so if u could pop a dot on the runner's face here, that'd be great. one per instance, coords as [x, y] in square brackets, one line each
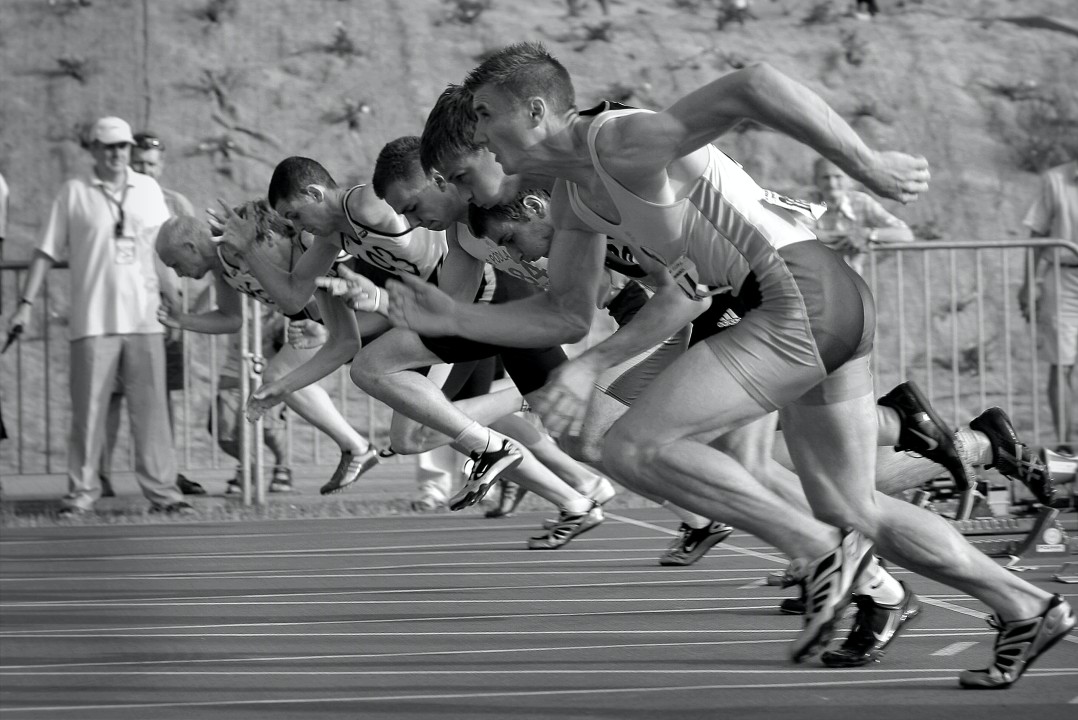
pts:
[480, 179]
[307, 214]
[423, 203]
[186, 261]
[502, 125]
[528, 240]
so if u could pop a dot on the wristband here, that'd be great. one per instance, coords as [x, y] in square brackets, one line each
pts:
[27, 300]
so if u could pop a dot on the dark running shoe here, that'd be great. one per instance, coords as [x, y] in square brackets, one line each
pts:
[874, 627]
[510, 498]
[828, 583]
[924, 432]
[691, 544]
[349, 469]
[189, 487]
[1011, 457]
[569, 526]
[177, 508]
[793, 606]
[1020, 643]
[486, 467]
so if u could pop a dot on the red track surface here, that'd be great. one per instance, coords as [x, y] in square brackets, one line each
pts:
[449, 616]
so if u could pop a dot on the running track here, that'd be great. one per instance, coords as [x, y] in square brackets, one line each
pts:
[448, 616]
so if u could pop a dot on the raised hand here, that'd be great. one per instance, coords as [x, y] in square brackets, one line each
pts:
[306, 334]
[358, 291]
[897, 176]
[420, 306]
[236, 232]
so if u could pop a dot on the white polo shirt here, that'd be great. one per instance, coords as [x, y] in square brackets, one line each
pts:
[109, 294]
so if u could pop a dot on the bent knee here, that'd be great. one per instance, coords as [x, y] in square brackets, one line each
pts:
[628, 451]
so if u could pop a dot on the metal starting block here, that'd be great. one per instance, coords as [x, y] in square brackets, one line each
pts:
[1040, 537]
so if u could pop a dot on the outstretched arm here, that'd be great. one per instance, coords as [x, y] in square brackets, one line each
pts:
[765, 95]
[226, 319]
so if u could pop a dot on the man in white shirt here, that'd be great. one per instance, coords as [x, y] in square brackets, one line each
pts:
[106, 224]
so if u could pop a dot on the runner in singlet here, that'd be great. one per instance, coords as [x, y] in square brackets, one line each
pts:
[186, 245]
[653, 178]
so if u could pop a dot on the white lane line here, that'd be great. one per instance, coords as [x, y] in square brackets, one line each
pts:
[456, 672]
[255, 602]
[665, 688]
[954, 649]
[427, 653]
[762, 582]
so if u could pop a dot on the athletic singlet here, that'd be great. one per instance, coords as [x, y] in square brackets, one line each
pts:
[416, 251]
[533, 273]
[239, 277]
[724, 228]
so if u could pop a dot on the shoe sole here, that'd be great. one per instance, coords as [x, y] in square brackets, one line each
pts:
[332, 487]
[701, 550]
[473, 495]
[836, 660]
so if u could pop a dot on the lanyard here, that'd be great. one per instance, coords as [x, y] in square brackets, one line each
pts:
[118, 228]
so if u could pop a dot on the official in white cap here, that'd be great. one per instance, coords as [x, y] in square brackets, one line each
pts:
[106, 224]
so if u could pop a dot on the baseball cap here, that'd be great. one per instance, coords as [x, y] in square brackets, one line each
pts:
[111, 130]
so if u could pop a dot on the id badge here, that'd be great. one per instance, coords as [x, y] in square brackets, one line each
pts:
[126, 253]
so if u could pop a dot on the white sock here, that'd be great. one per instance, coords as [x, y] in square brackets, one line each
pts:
[578, 506]
[691, 519]
[473, 439]
[879, 585]
[973, 446]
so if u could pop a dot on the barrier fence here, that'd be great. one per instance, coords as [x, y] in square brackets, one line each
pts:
[947, 317]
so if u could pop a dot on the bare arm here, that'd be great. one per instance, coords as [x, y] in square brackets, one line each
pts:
[292, 290]
[342, 345]
[460, 274]
[763, 94]
[226, 319]
[35, 277]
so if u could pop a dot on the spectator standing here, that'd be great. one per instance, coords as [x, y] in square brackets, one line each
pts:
[1054, 214]
[106, 224]
[148, 158]
[853, 218]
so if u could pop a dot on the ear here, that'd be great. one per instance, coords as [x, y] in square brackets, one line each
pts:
[439, 180]
[535, 205]
[537, 109]
[316, 191]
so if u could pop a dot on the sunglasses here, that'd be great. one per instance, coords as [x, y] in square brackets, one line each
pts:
[149, 143]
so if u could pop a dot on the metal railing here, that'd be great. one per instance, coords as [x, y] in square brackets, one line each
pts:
[955, 331]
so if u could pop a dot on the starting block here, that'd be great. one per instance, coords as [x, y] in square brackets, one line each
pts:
[1041, 537]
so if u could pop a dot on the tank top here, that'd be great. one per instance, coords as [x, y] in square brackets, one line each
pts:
[416, 251]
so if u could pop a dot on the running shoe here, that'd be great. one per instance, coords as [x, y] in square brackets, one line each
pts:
[1019, 644]
[188, 486]
[486, 467]
[177, 508]
[349, 469]
[828, 583]
[281, 482]
[1011, 457]
[510, 498]
[569, 526]
[427, 502]
[874, 627]
[234, 487]
[691, 544]
[601, 493]
[924, 432]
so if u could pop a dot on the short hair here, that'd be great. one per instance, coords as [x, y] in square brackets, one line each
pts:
[450, 127]
[179, 229]
[397, 162]
[146, 140]
[525, 70]
[292, 176]
[480, 219]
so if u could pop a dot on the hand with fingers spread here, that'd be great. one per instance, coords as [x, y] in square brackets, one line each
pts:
[897, 176]
[358, 291]
[263, 399]
[238, 233]
[563, 402]
[420, 306]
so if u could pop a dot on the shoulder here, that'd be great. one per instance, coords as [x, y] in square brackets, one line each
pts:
[561, 210]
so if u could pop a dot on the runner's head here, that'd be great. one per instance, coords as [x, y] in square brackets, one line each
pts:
[424, 199]
[447, 146]
[185, 245]
[516, 93]
[299, 192]
[523, 225]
